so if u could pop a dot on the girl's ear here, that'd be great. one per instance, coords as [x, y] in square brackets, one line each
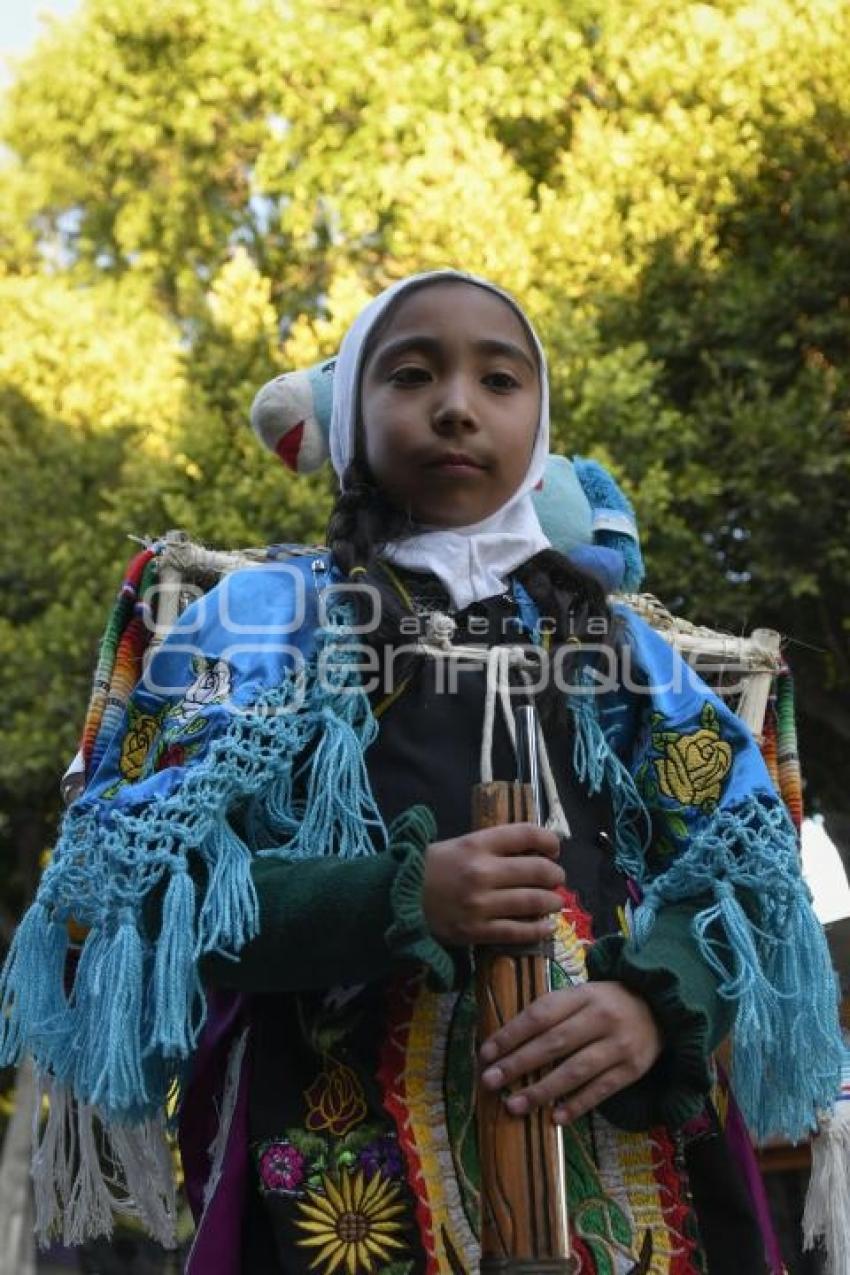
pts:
[291, 416]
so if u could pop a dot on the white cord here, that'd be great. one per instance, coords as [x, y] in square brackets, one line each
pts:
[499, 661]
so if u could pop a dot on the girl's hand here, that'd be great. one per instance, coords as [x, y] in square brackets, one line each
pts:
[590, 1041]
[496, 885]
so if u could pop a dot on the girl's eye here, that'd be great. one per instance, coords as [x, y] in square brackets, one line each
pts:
[501, 381]
[409, 376]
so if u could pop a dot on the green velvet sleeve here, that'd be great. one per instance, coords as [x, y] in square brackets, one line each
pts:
[681, 990]
[326, 921]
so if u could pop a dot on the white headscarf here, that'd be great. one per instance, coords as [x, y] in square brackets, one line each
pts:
[471, 562]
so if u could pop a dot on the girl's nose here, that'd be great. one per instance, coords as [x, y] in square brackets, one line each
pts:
[454, 406]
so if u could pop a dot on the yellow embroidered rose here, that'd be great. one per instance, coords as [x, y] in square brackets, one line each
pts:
[136, 745]
[693, 767]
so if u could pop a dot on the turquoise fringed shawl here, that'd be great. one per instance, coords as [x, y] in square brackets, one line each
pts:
[719, 831]
[245, 697]
[247, 736]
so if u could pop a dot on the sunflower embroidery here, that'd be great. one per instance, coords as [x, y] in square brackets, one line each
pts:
[352, 1225]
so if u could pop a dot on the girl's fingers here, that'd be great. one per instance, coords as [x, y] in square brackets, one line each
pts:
[578, 1074]
[526, 870]
[573, 1045]
[514, 904]
[519, 932]
[573, 1036]
[544, 1013]
[590, 1095]
[520, 838]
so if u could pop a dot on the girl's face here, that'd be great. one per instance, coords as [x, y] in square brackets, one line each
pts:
[450, 403]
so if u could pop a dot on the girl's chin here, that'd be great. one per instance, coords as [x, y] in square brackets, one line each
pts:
[447, 519]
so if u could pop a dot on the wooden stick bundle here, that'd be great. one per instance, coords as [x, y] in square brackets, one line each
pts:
[523, 1188]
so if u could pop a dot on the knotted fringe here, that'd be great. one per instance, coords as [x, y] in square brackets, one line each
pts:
[85, 1173]
[230, 913]
[115, 1045]
[103, 1051]
[178, 996]
[590, 747]
[98, 1039]
[786, 1049]
[826, 1216]
[34, 974]
[595, 764]
[333, 811]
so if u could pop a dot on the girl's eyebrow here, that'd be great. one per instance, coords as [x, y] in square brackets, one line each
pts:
[433, 346]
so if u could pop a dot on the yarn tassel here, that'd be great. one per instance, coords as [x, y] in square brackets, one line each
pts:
[746, 983]
[339, 808]
[808, 1056]
[230, 914]
[785, 990]
[141, 1155]
[178, 995]
[631, 821]
[786, 1049]
[590, 748]
[32, 998]
[108, 1004]
[88, 1209]
[595, 763]
[273, 816]
[54, 1155]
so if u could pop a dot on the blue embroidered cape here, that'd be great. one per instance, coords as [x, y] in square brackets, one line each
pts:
[246, 736]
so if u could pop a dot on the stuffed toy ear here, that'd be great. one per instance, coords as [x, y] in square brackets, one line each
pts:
[562, 507]
[587, 518]
[614, 523]
[291, 416]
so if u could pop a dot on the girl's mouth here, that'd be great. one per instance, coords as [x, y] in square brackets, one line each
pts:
[455, 463]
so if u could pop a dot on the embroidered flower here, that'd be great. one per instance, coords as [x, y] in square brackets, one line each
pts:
[281, 1167]
[335, 1101]
[137, 743]
[211, 686]
[692, 768]
[381, 1156]
[354, 1226]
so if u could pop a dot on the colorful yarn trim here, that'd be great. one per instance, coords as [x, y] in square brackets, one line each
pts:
[119, 660]
[788, 757]
[779, 745]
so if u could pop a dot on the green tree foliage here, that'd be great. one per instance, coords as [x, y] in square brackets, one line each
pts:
[218, 185]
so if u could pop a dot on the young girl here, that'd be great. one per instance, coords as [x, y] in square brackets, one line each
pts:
[282, 895]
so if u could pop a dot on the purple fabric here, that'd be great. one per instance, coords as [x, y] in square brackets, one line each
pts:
[740, 1144]
[216, 1249]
